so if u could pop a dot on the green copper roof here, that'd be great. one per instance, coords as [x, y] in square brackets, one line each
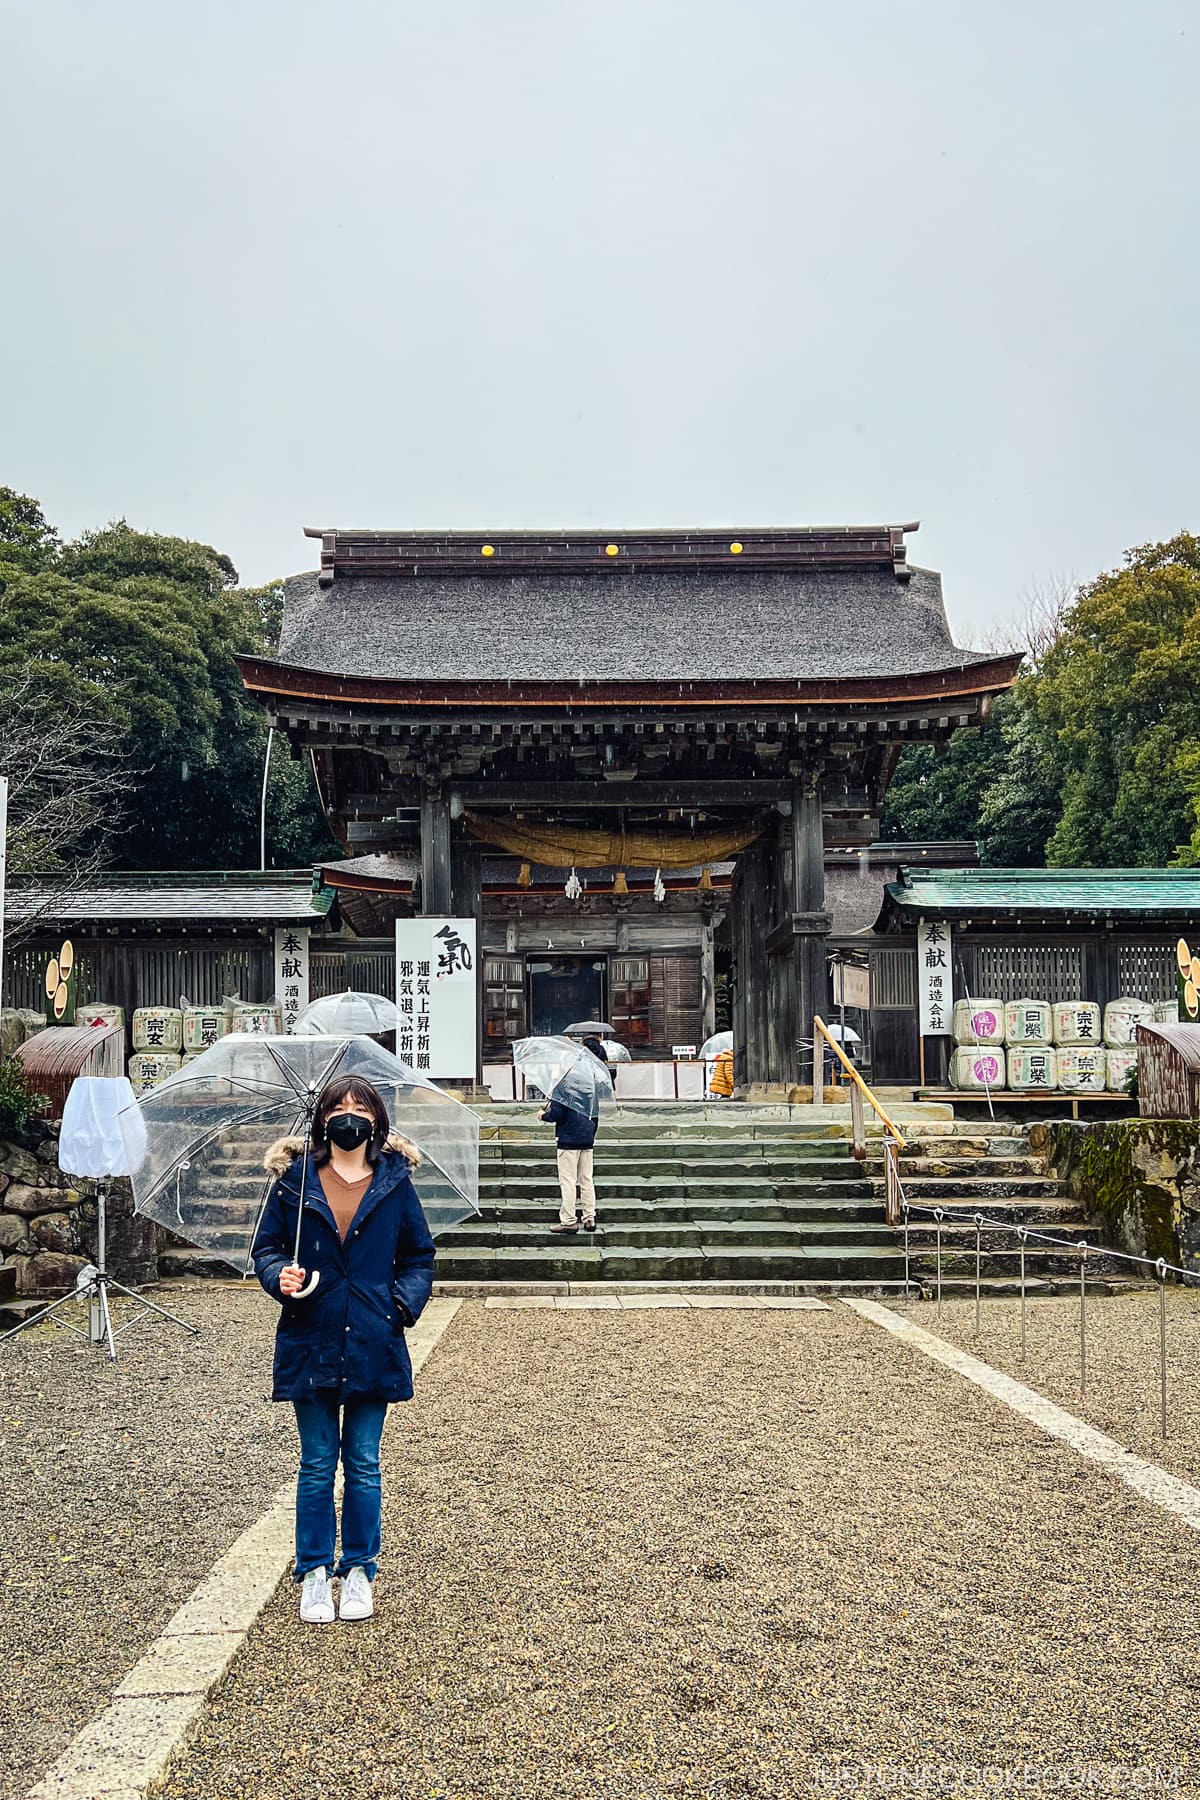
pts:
[1169, 893]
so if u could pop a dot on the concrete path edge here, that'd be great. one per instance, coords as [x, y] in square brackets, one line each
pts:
[125, 1751]
[1145, 1478]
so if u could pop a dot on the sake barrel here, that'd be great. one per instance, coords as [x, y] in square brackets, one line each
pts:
[1027, 1022]
[1032, 1068]
[148, 1067]
[100, 1013]
[202, 1026]
[1077, 1022]
[259, 1019]
[158, 1028]
[1121, 1020]
[978, 1022]
[1117, 1064]
[973, 1071]
[1082, 1068]
[1166, 1012]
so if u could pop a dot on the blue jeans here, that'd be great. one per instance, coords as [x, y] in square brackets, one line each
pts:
[322, 1436]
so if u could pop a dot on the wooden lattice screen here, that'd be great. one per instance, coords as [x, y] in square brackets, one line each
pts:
[1029, 971]
[1146, 971]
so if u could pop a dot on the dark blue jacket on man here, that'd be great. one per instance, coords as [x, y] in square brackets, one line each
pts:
[573, 1130]
[347, 1336]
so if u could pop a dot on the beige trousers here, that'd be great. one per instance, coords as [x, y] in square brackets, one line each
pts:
[575, 1166]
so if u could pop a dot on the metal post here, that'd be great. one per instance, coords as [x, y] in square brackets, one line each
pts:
[937, 1213]
[1083, 1251]
[1161, 1268]
[907, 1284]
[1021, 1232]
[978, 1255]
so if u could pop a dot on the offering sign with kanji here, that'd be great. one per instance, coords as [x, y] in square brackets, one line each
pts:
[437, 997]
[935, 977]
[291, 971]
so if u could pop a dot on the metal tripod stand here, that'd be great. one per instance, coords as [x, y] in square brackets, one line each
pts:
[91, 1287]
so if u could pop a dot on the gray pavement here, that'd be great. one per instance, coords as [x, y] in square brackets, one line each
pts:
[669, 1552]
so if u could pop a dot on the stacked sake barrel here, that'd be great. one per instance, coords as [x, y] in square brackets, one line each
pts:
[1121, 1020]
[1032, 1046]
[157, 1046]
[203, 1026]
[257, 1018]
[978, 1061]
[1032, 1062]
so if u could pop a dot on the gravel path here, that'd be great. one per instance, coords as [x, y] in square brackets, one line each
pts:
[122, 1484]
[1122, 1362]
[717, 1554]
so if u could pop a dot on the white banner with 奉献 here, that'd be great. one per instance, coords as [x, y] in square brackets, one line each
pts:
[935, 981]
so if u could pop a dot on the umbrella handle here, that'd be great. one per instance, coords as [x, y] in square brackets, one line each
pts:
[310, 1284]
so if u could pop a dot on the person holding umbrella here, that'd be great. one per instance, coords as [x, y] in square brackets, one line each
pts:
[340, 1354]
[575, 1116]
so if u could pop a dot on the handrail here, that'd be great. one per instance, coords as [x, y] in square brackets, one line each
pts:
[854, 1075]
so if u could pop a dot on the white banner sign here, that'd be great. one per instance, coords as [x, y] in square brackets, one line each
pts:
[291, 971]
[935, 977]
[437, 997]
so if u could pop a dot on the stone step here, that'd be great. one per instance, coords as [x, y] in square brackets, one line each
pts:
[576, 1263]
[679, 1152]
[850, 1288]
[15, 1312]
[954, 1191]
[959, 1169]
[203, 1263]
[711, 1237]
[845, 1183]
[686, 1213]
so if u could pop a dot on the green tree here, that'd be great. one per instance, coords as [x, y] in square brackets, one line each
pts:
[26, 540]
[140, 631]
[1119, 699]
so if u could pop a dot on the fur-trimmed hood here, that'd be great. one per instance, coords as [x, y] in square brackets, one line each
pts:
[285, 1150]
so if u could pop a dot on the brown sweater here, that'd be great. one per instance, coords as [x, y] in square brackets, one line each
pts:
[343, 1196]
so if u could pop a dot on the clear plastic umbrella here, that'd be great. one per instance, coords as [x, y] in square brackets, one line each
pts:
[207, 1128]
[346, 1015]
[713, 1046]
[565, 1071]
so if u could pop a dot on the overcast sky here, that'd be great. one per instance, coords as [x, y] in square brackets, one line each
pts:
[636, 262]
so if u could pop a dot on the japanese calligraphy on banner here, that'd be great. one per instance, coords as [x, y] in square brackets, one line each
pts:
[935, 982]
[436, 997]
[291, 971]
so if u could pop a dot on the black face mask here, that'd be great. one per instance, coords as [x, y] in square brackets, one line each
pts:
[347, 1130]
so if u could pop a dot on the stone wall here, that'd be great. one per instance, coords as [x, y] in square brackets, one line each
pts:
[48, 1220]
[1138, 1180]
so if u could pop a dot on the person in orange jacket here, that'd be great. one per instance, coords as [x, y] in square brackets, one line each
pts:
[721, 1085]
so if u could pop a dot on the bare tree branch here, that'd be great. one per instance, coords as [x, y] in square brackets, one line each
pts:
[67, 781]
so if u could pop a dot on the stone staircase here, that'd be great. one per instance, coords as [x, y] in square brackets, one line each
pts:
[756, 1195]
[970, 1167]
[765, 1195]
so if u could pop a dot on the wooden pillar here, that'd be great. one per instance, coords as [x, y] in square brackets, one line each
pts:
[708, 981]
[435, 853]
[466, 902]
[811, 923]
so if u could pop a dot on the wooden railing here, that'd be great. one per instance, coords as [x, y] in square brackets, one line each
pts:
[893, 1137]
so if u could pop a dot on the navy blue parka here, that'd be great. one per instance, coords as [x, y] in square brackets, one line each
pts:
[346, 1339]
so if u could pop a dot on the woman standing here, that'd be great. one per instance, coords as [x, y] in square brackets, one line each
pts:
[340, 1354]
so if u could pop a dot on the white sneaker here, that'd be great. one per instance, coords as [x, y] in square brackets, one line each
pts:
[357, 1601]
[316, 1598]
